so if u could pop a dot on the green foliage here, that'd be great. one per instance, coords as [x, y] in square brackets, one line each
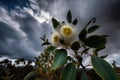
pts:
[43, 63]
[31, 74]
[75, 46]
[75, 21]
[103, 56]
[93, 20]
[46, 43]
[69, 72]
[50, 49]
[84, 76]
[82, 35]
[56, 59]
[45, 40]
[95, 41]
[45, 59]
[8, 75]
[103, 69]
[59, 59]
[69, 16]
[93, 28]
[99, 49]
[55, 23]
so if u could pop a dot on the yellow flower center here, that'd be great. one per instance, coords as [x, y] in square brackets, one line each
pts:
[67, 30]
[56, 39]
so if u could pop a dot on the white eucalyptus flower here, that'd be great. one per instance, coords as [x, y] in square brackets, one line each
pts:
[68, 33]
[55, 39]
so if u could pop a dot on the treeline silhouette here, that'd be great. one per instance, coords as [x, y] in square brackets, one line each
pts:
[15, 71]
[9, 71]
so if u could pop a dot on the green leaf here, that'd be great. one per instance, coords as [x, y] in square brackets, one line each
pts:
[75, 46]
[103, 68]
[103, 56]
[43, 38]
[100, 48]
[62, 41]
[82, 35]
[55, 23]
[69, 72]
[104, 35]
[59, 59]
[74, 22]
[95, 41]
[50, 49]
[93, 28]
[84, 76]
[30, 75]
[69, 16]
[45, 43]
[93, 20]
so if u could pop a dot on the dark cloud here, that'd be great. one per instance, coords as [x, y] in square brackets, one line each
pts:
[11, 43]
[7, 31]
[114, 11]
[20, 35]
[24, 40]
[12, 4]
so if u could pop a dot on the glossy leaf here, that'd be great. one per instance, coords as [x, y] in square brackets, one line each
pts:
[30, 75]
[103, 56]
[82, 35]
[75, 46]
[59, 59]
[69, 72]
[103, 68]
[45, 43]
[84, 76]
[69, 16]
[95, 41]
[74, 22]
[55, 23]
[100, 48]
[93, 20]
[93, 28]
[50, 49]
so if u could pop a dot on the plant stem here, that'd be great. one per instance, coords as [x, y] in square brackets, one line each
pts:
[83, 67]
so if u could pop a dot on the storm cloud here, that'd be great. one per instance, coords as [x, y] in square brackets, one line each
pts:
[20, 32]
[20, 35]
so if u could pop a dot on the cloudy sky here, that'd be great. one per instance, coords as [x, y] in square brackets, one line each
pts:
[23, 22]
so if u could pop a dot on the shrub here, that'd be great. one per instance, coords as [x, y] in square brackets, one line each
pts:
[57, 59]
